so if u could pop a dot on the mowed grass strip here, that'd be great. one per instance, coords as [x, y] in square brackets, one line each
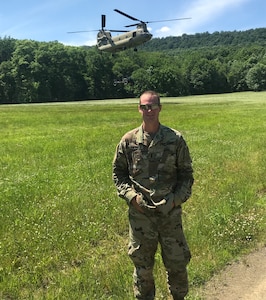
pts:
[63, 228]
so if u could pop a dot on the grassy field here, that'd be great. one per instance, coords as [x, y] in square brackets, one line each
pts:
[63, 231]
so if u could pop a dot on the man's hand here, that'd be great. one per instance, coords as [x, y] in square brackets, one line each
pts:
[168, 204]
[137, 202]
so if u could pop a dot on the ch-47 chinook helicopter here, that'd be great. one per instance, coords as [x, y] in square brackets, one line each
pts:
[128, 38]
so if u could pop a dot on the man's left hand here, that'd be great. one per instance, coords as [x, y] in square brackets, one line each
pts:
[168, 205]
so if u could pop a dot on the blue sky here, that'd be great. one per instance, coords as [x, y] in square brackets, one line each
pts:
[50, 20]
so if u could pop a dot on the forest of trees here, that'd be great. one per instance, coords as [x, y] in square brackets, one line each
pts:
[32, 71]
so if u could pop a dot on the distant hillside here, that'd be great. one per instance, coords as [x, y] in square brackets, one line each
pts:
[203, 63]
[206, 39]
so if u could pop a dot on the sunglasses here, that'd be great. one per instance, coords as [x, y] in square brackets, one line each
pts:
[149, 106]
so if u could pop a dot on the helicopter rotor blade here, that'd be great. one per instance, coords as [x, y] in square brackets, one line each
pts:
[103, 21]
[126, 15]
[79, 31]
[132, 25]
[158, 21]
[113, 30]
[167, 20]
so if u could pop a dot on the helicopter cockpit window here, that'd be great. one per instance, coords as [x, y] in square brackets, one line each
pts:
[102, 41]
[103, 38]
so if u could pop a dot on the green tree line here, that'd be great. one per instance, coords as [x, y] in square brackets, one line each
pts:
[206, 39]
[32, 71]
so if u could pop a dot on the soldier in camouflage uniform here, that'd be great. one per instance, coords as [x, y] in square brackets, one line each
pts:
[152, 171]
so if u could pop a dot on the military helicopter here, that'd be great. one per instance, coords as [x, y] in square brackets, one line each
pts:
[128, 38]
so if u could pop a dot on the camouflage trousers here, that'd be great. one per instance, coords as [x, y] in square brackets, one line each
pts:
[145, 233]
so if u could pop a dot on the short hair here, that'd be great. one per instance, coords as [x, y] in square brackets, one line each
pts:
[153, 93]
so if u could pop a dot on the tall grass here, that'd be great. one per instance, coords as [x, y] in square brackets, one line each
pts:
[63, 228]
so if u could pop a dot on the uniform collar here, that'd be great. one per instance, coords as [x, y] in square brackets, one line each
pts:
[158, 136]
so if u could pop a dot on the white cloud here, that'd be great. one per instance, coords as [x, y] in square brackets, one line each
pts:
[80, 42]
[163, 29]
[202, 12]
[90, 42]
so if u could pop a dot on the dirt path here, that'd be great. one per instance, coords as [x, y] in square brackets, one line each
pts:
[245, 280]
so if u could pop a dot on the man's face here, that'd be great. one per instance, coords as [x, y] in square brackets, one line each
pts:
[149, 107]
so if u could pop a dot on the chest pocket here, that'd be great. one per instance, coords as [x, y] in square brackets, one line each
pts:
[167, 166]
[151, 160]
[139, 161]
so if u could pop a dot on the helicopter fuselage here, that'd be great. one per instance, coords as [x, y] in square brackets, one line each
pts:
[129, 39]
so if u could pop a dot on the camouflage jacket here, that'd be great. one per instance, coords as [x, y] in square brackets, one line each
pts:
[155, 169]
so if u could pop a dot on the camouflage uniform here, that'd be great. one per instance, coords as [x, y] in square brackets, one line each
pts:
[159, 169]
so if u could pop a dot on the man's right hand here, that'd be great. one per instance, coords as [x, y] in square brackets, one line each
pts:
[136, 202]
